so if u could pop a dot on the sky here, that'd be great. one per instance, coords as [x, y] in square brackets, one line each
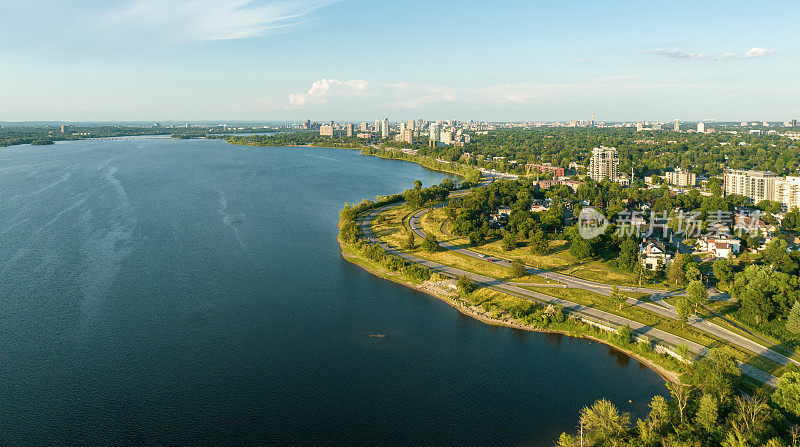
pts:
[359, 60]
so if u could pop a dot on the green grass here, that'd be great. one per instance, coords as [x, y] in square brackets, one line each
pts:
[597, 301]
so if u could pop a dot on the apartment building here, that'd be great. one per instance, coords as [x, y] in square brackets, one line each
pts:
[604, 164]
[763, 185]
[679, 177]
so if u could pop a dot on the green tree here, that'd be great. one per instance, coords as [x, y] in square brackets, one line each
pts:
[793, 322]
[787, 395]
[518, 269]
[430, 243]
[677, 270]
[683, 309]
[628, 254]
[707, 413]
[411, 241]
[723, 270]
[697, 292]
[604, 421]
[539, 244]
[580, 248]
[625, 333]
[508, 243]
[618, 296]
[464, 285]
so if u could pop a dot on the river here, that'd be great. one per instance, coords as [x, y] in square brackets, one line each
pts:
[184, 292]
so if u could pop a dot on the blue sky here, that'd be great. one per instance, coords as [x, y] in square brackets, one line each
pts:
[358, 60]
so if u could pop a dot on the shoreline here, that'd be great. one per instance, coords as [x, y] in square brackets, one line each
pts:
[667, 375]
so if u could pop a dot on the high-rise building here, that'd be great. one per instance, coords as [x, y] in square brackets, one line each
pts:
[385, 128]
[763, 185]
[677, 126]
[349, 127]
[604, 164]
[794, 123]
[411, 125]
[639, 126]
[307, 125]
[679, 177]
[326, 130]
[787, 192]
[407, 135]
[364, 127]
[402, 129]
[446, 137]
[757, 185]
[701, 127]
[434, 129]
[377, 127]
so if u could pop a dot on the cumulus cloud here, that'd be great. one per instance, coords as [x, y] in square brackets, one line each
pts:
[678, 55]
[203, 20]
[363, 94]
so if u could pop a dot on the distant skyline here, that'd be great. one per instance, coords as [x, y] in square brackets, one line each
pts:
[355, 60]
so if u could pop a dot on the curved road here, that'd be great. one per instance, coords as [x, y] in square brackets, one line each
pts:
[605, 289]
[588, 312]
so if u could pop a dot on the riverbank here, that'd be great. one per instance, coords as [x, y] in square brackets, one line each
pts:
[468, 173]
[352, 254]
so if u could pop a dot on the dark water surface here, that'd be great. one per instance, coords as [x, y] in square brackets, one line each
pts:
[160, 292]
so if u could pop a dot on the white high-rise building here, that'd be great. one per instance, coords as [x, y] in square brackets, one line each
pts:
[385, 128]
[677, 126]
[377, 127]
[787, 192]
[434, 128]
[604, 164]
[701, 127]
[757, 185]
[763, 185]
[639, 126]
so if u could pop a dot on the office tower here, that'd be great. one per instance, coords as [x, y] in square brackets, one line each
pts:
[677, 126]
[639, 126]
[701, 127]
[385, 128]
[603, 164]
[794, 123]
[364, 127]
[307, 125]
[411, 125]
[326, 130]
[349, 127]
[377, 127]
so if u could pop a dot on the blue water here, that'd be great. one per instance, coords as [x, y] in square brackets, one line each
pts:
[184, 292]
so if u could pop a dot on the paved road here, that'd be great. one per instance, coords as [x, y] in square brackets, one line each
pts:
[578, 309]
[658, 295]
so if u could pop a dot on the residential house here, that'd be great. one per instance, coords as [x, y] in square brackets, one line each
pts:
[653, 254]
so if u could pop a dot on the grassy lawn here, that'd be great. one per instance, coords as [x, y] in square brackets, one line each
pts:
[392, 230]
[559, 260]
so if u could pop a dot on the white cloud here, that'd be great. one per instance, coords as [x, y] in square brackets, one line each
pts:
[678, 55]
[203, 20]
[361, 94]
